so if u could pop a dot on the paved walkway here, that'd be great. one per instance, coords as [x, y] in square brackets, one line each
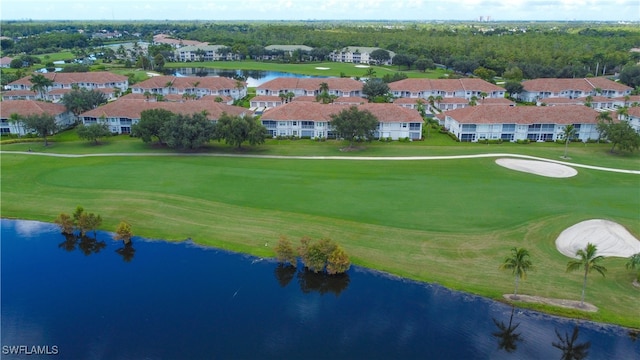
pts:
[356, 158]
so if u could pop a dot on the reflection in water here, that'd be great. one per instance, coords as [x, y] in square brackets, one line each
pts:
[322, 282]
[69, 243]
[570, 349]
[90, 245]
[285, 273]
[86, 244]
[310, 281]
[127, 251]
[507, 336]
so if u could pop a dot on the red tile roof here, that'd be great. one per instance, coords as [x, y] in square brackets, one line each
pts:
[559, 85]
[94, 77]
[310, 111]
[312, 84]
[131, 108]
[206, 82]
[524, 115]
[30, 107]
[448, 85]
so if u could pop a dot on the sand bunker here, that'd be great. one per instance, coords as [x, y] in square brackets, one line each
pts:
[542, 168]
[362, 66]
[610, 238]
[322, 68]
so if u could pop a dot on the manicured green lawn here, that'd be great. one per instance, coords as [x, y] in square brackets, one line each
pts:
[445, 221]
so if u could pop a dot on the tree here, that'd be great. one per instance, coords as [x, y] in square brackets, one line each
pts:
[634, 263]
[79, 100]
[484, 73]
[587, 260]
[568, 133]
[235, 130]
[40, 84]
[519, 264]
[338, 261]
[123, 232]
[374, 88]
[423, 64]
[188, 132]
[630, 75]
[151, 124]
[513, 87]
[159, 62]
[353, 124]
[620, 134]
[88, 222]
[285, 252]
[380, 56]
[513, 74]
[16, 120]
[65, 222]
[42, 124]
[93, 132]
[370, 73]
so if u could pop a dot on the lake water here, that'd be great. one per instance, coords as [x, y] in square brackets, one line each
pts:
[99, 299]
[253, 78]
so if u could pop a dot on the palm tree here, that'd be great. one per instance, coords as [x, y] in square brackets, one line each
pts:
[16, 120]
[623, 112]
[568, 132]
[519, 263]
[604, 116]
[324, 87]
[588, 260]
[634, 263]
[40, 84]
[370, 73]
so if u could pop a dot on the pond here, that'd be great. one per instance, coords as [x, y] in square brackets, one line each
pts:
[254, 78]
[95, 298]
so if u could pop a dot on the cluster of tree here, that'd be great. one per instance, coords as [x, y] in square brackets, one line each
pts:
[310, 281]
[80, 100]
[24, 61]
[618, 133]
[320, 256]
[188, 132]
[587, 259]
[80, 221]
[44, 43]
[84, 222]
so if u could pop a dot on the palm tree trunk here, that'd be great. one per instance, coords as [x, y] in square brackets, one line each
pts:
[566, 145]
[515, 292]
[584, 286]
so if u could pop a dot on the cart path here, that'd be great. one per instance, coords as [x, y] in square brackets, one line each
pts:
[354, 158]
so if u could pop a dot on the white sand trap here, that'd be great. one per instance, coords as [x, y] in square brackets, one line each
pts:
[609, 237]
[542, 168]
[363, 66]
[322, 68]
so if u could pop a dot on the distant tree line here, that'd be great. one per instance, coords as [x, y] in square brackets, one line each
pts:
[539, 50]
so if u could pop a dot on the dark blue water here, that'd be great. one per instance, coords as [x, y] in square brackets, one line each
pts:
[253, 78]
[99, 299]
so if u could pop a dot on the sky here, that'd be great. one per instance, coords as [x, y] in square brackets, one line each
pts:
[498, 10]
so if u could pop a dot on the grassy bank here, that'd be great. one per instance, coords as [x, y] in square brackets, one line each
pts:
[445, 221]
